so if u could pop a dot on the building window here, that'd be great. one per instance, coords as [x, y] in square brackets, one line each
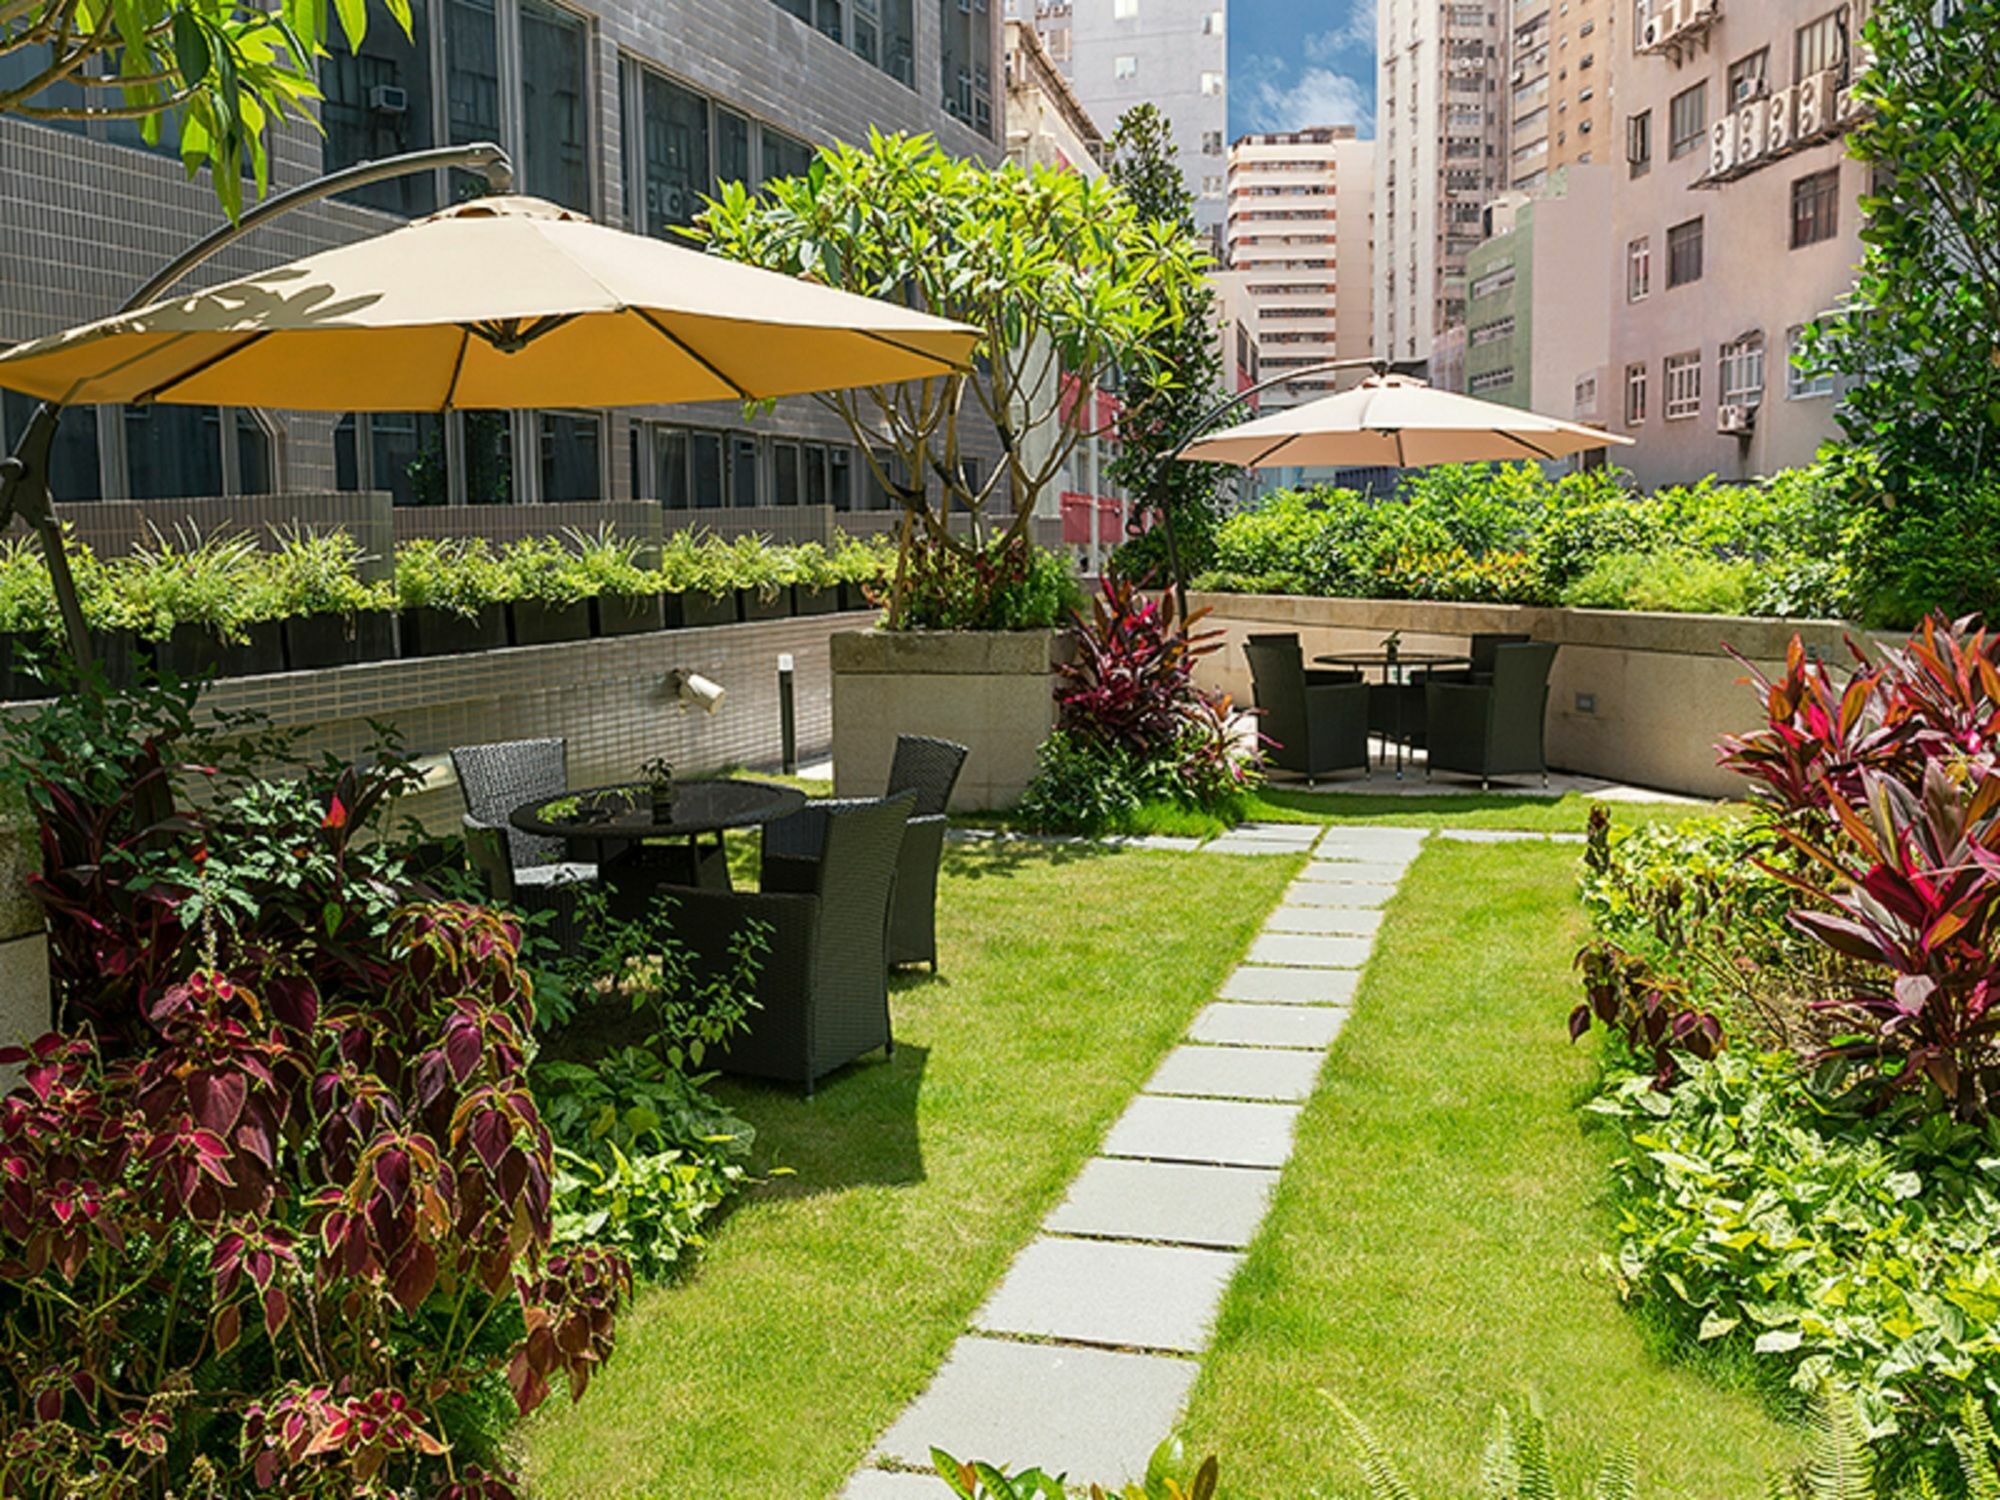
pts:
[73, 465]
[1211, 84]
[1684, 250]
[377, 103]
[1211, 143]
[670, 468]
[1802, 381]
[1584, 401]
[1639, 143]
[733, 161]
[784, 156]
[173, 451]
[401, 453]
[1492, 333]
[673, 158]
[1818, 46]
[570, 445]
[1683, 381]
[555, 105]
[471, 71]
[1635, 395]
[1639, 269]
[1750, 77]
[705, 470]
[1815, 208]
[1212, 24]
[1488, 381]
[1741, 368]
[966, 62]
[1124, 65]
[883, 32]
[1687, 118]
[1124, 10]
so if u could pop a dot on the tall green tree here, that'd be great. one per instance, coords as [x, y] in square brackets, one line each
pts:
[1167, 394]
[1060, 273]
[1920, 339]
[220, 74]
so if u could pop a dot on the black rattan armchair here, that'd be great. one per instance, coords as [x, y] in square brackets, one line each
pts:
[1314, 728]
[520, 869]
[823, 984]
[1494, 728]
[927, 767]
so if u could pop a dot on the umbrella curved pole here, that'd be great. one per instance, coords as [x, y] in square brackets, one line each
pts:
[24, 473]
[1205, 424]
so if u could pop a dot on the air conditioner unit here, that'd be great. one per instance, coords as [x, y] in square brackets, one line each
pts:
[387, 99]
[1736, 420]
[1722, 148]
[1749, 134]
[1655, 33]
[1780, 128]
[1848, 106]
[1819, 99]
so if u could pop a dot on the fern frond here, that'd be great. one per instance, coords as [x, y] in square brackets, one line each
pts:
[1839, 1465]
[1500, 1464]
[1538, 1470]
[1619, 1478]
[1778, 1486]
[1384, 1483]
[1973, 1442]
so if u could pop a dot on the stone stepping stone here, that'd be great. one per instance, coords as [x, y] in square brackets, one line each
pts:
[1307, 951]
[1373, 843]
[1329, 921]
[1312, 1027]
[1229, 843]
[1276, 1075]
[1167, 1202]
[1356, 895]
[1172, 843]
[1294, 835]
[1222, 1133]
[1265, 986]
[883, 1484]
[1124, 1296]
[1090, 1413]
[1348, 871]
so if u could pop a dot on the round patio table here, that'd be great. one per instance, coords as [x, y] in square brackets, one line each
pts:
[1393, 665]
[624, 815]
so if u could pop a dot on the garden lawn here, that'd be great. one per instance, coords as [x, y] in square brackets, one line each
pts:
[1565, 814]
[830, 1297]
[1435, 1243]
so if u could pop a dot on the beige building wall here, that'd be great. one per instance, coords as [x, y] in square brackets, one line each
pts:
[1046, 125]
[1440, 141]
[1571, 300]
[1757, 190]
[1299, 209]
[1559, 77]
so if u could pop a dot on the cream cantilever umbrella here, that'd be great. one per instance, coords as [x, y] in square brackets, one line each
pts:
[1395, 422]
[499, 302]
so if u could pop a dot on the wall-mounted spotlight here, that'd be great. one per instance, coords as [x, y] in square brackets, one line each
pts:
[694, 690]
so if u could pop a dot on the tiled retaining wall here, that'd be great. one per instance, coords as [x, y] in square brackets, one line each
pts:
[1638, 698]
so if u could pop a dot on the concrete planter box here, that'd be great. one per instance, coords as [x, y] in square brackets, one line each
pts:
[24, 951]
[990, 691]
[1639, 698]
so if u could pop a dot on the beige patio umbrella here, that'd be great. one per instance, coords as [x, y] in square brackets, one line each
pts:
[500, 302]
[1395, 422]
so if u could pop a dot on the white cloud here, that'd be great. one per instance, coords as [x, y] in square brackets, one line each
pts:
[1355, 35]
[1318, 96]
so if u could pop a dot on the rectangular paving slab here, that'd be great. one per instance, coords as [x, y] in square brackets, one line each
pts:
[1346, 871]
[1221, 1132]
[1297, 951]
[1277, 1075]
[1359, 895]
[1305, 1026]
[1169, 1202]
[1372, 843]
[1264, 986]
[1331, 921]
[1229, 844]
[1125, 1296]
[884, 1484]
[1090, 1413]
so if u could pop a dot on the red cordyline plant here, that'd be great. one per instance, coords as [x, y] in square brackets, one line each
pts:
[1888, 787]
[290, 1242]
[1132, 683]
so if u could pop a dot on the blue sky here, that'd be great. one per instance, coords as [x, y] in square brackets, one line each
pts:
[1301, 62]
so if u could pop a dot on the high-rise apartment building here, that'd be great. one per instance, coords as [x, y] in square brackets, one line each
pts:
[1170, 53]
[1559, 72]
[1440, 138]
[629, 110]
[1735, 222]
[1298, 231]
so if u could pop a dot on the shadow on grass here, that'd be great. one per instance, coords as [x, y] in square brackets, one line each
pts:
[858, 1130]
[1002, 858]
[1445, 807]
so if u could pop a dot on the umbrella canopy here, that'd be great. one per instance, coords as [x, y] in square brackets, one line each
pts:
[1395, 422]
[499, 302]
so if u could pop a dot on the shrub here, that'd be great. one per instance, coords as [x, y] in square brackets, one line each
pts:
[543, 570]
[218, 583]
[1676, 581]
[456, 574]
[27, 600]
[609, 563]
[319, 573]
[1010, 585]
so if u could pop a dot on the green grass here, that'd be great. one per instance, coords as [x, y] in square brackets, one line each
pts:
[827, 1300]
[1434, 1245]
[1532, 814]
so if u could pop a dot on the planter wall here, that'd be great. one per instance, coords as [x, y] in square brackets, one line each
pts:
[530, 623]
[24, 951]
[443, 632]
[1639, 698]
[196, 651]
[314, 642]
[753, 604]
[629, 614]
[990, 691]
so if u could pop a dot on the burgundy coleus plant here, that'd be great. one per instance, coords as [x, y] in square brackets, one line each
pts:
[299, 1224]
[1649, 1012]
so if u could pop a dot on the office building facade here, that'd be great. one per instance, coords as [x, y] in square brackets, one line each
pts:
[625, 111]
[1300, 202]
[1559, 86]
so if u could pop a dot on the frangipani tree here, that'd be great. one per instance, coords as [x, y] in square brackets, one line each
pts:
[1065, 280]
[223, 72]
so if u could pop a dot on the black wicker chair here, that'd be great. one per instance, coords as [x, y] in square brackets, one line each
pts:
[927, 767]
[1493, 728]
[823, 985]
[1315, 728]
[520, 869]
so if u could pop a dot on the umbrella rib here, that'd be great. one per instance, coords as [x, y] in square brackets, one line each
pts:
[898, 344]
[201, 367]
[457, 368]
[1538, 451]
[691, 352]
[1258, 461]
